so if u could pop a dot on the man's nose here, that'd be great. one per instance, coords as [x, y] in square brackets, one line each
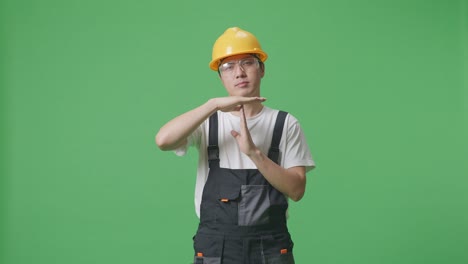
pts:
[239, 71]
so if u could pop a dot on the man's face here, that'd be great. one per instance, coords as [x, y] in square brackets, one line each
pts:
[241, 75]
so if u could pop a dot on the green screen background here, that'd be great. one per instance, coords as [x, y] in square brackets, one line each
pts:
[380, 88]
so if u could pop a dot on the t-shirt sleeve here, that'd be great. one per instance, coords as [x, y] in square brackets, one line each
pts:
[296, 150]
[193, 140]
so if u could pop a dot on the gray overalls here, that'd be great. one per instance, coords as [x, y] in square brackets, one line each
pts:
[242, 217]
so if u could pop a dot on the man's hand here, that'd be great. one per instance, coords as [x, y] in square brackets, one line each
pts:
[175, 132]
[289, 181]
[234, 103]
[244, 140]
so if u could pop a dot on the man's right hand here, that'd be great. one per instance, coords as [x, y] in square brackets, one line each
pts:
[234, 103]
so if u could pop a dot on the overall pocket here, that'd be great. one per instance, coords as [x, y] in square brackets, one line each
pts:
[208, 249]
[278, 249]
[227, 205]
[254, 205]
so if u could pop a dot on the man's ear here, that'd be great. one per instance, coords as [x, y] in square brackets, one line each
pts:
[262, 70]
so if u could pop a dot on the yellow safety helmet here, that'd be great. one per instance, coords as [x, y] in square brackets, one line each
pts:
[235, 41]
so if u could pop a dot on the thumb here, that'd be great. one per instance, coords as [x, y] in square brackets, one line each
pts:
[235, 134]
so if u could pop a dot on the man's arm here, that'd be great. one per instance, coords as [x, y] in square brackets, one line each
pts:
[289, 181]
[175, 133]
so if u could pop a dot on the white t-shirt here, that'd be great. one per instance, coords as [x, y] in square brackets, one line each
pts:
[294, 150]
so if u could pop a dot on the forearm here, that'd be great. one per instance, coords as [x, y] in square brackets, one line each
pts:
[176, 131]
[290, 182]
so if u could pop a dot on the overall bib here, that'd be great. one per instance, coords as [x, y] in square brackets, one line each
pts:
[242, 217]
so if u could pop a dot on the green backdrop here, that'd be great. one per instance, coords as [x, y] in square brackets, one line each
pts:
[380, 88]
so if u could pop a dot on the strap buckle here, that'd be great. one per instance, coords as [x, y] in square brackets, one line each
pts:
[213, 152]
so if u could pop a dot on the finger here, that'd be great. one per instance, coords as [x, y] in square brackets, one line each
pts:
[234, 134]
[255, 99]
[243, 121]
[230, 109]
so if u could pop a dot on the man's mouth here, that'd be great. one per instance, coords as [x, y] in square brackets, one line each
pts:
[242, 84]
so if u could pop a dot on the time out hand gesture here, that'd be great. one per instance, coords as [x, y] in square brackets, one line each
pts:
[244, 140]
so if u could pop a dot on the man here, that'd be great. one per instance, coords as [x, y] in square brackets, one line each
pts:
[252, 159]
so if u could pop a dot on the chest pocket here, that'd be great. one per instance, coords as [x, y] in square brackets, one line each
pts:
[245, 207]
[227, 205]
[254, 205]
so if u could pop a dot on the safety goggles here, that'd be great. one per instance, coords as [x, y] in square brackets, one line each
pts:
[245, 64]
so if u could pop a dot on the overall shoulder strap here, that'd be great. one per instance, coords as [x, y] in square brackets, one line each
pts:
[273, 153]
[213, 149]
